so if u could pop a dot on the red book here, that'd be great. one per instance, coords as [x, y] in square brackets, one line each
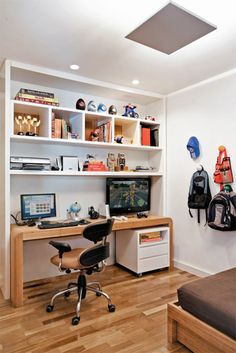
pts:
[146, 136]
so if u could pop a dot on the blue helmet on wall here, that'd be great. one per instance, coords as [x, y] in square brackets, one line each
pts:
[102, 108]
[92, 106]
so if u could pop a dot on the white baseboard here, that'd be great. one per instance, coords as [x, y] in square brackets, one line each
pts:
[189, 268]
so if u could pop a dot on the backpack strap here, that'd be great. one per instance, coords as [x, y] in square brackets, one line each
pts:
[198, 215]
[206, 215]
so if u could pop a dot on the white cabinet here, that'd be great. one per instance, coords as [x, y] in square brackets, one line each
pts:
[143, 250]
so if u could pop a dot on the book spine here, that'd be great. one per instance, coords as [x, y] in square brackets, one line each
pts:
[36, 93]
[30, 96]
[64, 132]
[37, 101]
[57, 128]
[150, 240]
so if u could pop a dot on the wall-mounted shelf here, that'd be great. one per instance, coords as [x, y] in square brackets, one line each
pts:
[75, 142]
[80, 174]
[83, 123]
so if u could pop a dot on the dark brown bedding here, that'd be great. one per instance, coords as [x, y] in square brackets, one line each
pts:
[213, 300]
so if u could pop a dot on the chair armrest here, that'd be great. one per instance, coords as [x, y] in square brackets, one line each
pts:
[61, 247]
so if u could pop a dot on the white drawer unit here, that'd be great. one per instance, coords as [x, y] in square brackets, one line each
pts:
[143, 250]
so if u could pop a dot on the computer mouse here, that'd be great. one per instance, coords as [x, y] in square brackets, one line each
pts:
[83, 221]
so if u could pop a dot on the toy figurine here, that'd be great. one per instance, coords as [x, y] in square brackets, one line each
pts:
[118, 139]
[94, 136]
[129, 111]
[92, 213]
[73, 212]
[111, 162]
[121, 161]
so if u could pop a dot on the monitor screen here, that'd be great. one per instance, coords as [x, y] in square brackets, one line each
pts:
[38, 206]
[128, 195]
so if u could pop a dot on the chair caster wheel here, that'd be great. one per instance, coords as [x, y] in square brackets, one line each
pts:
[49, 308]
[111, 308]
[75, 320]
[67, 294]
[98, 294]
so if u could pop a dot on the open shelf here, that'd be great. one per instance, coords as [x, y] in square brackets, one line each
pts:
[92, 174]
[47, 140]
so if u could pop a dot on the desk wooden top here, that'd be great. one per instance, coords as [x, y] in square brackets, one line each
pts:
[34, 233]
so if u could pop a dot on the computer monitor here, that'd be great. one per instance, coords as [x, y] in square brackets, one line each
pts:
[36, 206]
[128, 195]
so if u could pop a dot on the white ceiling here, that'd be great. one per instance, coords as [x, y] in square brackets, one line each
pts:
[91, 33]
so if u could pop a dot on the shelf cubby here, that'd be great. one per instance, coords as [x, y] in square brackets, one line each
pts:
[41, 112]
[98, 127]
[127, 128]
[71, 122]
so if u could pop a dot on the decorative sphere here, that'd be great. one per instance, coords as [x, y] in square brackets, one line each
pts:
[221, 148]
[75, 207]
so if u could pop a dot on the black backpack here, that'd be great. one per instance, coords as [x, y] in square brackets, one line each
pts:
[222, 211]
[199, 195]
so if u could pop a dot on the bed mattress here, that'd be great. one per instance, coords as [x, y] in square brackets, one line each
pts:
[213, 300]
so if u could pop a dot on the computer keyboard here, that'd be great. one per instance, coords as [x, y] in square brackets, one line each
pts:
[55, 224]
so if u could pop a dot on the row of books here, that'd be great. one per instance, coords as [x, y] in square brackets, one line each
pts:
[39, 97]
[104, 132]
[150, 237]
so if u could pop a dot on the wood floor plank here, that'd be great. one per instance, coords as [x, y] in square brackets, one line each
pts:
[139, 324]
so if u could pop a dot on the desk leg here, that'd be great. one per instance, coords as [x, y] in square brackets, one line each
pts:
[171, 245]
[17, 270]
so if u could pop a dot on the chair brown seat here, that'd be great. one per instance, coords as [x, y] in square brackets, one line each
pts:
[70, 259]
[86, 261]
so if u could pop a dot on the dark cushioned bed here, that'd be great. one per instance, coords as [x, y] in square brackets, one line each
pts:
[213, 300]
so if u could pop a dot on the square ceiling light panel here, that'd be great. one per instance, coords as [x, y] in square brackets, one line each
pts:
[171, 29]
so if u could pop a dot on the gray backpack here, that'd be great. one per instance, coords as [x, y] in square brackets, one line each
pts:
[222, 211]
[199, 195]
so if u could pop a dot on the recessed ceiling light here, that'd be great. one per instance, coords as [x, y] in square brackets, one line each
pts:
[135, 82]
[74, 67]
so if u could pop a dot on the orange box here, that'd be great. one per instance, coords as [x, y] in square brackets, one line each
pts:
[146, 136]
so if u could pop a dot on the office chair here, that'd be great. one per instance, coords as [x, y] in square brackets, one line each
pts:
[86, 261]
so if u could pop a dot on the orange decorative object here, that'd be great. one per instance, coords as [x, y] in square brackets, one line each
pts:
[221, 148]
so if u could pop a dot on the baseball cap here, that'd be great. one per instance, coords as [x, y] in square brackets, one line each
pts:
[193, 147]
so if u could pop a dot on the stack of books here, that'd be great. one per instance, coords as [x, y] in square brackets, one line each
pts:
[94, 166]
[150, 237]
[34, 96]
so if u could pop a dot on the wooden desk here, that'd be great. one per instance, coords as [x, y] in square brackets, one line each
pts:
[21, 234]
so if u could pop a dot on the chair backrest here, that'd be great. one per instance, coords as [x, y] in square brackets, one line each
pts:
[98, 231]
[92, 256]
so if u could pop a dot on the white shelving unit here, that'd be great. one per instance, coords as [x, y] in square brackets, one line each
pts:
[88, 188]
[139, 256]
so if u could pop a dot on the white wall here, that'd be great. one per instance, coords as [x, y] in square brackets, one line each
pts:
[209, 113]
[2, 181]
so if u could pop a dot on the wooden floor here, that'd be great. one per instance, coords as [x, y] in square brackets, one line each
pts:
[138, 325]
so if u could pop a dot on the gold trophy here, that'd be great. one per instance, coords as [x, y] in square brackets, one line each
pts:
[20, 121]
[35, 122]
[28, 119]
